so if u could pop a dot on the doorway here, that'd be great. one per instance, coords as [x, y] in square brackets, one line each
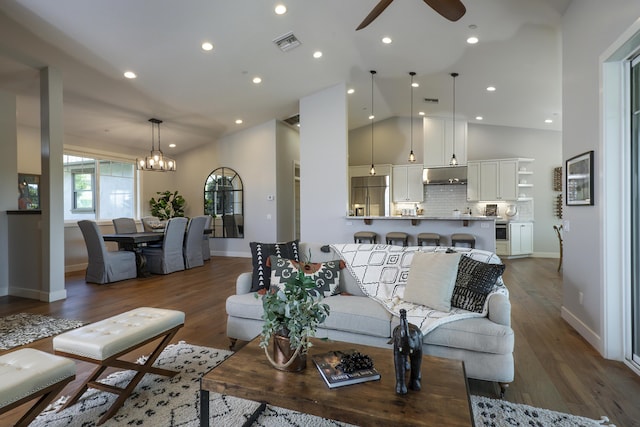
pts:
[635, 209]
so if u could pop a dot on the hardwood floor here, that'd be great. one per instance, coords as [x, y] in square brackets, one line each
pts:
[555, 367]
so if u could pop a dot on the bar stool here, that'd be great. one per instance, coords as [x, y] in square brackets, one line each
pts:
[397, 236]
[366, 236]
[427, 238]
[463, 239]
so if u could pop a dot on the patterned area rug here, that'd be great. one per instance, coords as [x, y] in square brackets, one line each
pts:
[168, 402]
[23, 328]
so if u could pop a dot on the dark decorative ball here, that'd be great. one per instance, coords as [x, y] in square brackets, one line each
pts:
[356, 361]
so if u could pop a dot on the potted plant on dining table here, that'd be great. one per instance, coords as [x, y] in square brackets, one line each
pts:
[291, 315]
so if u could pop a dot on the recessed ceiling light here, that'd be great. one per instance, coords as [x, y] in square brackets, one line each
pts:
[130, 74]
[421, 113]
[257, 80]
[350, 91]
[280, 9]
[206, 46]
[491, 89]
[415, 84]
[472, 40]
[238, 121]
[386, 40]
[317, 54]
[172, 145]
[479, 118]
[548, 121]
[371, 117]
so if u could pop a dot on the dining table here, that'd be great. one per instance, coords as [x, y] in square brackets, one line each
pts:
[134, 242]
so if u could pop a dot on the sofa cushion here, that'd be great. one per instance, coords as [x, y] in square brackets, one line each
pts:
[360, 315]
[260, 253]
[474, 282]
[476, 334]
[246, 306]
[326, 275]
[431, 279]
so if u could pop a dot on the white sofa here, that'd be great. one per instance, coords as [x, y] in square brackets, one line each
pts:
[485, 344]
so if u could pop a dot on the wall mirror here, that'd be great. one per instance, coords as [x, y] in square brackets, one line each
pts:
[224, 202]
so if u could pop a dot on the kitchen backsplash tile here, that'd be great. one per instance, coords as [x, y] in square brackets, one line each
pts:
[442, 200]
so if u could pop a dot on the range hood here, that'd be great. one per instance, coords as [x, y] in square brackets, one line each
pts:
[445, 176]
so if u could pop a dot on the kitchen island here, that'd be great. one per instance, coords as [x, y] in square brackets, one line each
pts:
[482, 227]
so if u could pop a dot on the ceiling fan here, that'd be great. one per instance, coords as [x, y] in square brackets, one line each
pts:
[450, 9]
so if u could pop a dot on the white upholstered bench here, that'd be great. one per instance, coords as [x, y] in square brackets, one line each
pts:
[28, 373]
[105, 341]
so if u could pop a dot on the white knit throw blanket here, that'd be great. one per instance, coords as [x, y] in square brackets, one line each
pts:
[381, 271]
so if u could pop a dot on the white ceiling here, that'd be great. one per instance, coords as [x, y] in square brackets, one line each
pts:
[200, 95]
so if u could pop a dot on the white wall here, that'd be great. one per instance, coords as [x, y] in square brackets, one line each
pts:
[8, 180]
[251, 153]
[391, 143]
[495, 142]
[589, 28]
[323, 166]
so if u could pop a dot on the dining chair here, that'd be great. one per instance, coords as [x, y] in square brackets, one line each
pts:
[206, 249]
[124, 225]
[168, 258]
[192, 248]
[105, 266]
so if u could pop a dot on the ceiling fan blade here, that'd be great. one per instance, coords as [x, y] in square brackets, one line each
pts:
[381, 6]
[450, 9]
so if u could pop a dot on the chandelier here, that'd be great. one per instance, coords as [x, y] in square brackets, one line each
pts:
[156, 160]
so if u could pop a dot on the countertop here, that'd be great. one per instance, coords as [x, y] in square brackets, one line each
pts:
[424, 217]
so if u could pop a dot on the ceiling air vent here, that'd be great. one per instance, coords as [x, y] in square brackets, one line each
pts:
[287, 42]
[431, 100]
[293, 120]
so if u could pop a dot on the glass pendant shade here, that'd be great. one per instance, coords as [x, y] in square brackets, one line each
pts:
[412, 157]
[372, 171]
[156, 160]
[454, 161]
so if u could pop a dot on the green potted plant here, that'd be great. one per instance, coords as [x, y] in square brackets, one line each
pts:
[291, 315]
[168, 205]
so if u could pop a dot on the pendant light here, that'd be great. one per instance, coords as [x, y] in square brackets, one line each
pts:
[372, 171]
[454, 161]
[156, 161]
[412, 157]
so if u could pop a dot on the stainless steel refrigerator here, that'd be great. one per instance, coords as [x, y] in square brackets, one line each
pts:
[370, 195]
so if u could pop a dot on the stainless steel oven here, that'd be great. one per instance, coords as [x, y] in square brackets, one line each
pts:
[502, 231]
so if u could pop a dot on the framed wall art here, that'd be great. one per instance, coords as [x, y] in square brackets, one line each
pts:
[29, 191]
[579, 184]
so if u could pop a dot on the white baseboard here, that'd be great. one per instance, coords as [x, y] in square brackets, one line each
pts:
[37, 294]
[586, 332]
[75, 267]
[546, 255]
[232, 254]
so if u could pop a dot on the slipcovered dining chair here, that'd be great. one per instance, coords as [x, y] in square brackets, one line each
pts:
[192, 248]
[105, 266]
[168, 258]
[206, 249]
[122, 226]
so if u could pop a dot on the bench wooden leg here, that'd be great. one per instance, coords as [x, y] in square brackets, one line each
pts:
[232, 343]
[48, 394]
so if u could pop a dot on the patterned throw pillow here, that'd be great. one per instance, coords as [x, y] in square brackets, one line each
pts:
[260, 253]
[325, 274]
[474, 282]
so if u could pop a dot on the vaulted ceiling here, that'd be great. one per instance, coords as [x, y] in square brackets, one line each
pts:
[200, 94]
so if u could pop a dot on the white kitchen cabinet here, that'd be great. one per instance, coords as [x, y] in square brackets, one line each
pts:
[438, 141]
[473, 181]
[495, 180]
[407, 183]
[520, 238]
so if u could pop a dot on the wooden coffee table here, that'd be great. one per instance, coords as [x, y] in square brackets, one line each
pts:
[443, 400]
